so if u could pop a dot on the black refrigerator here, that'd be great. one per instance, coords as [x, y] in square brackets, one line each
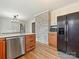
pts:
[68, 33]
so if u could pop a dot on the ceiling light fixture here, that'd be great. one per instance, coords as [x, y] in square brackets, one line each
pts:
[15, 19]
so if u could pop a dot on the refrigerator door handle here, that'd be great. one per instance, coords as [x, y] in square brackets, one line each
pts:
[67, 31]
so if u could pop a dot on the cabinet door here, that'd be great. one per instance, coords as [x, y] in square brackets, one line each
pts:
[30, 42]
[2, 49]
[53, 39]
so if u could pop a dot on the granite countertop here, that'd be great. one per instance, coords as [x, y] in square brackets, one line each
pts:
[11, 35]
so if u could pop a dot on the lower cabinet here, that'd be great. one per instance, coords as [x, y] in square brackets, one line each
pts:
[52, 39]
[30, 42]
[30, 45]
[2, 48]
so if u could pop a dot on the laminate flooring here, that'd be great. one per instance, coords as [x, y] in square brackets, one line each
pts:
[44, 51]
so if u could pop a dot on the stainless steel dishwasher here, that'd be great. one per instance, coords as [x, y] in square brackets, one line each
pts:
[15, 46]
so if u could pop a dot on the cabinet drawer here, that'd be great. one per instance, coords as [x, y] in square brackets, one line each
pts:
[30, 42]
[30, 46]
[30, 39]
[27, 50]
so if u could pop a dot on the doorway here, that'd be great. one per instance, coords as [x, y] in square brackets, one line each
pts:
[33, 27]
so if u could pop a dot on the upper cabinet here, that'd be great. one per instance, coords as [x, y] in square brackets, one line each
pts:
[53, 18]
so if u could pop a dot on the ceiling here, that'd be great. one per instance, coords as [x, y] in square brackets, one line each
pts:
[28, 8]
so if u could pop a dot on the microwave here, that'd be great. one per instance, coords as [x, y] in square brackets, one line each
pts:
[53, 28]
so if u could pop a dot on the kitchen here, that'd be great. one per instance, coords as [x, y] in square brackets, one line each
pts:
[30, 31]
[13, 39]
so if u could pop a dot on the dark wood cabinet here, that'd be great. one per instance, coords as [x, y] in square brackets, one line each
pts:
[2, 48]
[52, 39]
[30, 42]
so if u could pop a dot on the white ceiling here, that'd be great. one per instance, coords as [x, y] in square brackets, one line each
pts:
[29, 8]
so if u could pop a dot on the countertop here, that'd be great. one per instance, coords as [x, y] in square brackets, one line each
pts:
[11, 35]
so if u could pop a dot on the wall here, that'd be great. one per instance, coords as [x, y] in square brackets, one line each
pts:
[54, 13]
[6, 26]
[28, 25]
[22, 26]
[42, 27]
[62, 11]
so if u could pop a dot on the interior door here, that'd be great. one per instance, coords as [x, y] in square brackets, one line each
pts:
[73, 33]
[61, 36]
[33, 27]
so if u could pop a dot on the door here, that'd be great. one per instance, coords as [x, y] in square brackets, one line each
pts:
[61, 36]
[33, 27]
[73, 33]
[22, 28]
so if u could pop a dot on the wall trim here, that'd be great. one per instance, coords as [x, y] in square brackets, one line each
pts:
[41, 13]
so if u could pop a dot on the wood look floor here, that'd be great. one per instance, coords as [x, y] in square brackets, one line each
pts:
[42, 51]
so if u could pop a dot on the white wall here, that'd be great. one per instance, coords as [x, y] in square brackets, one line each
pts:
[62, 11]
[6, 26]
[28, 25]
